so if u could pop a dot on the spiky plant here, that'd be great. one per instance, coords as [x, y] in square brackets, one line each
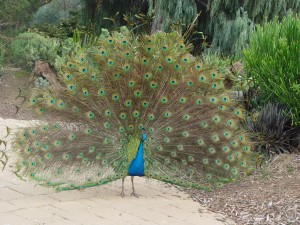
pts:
[272, 131]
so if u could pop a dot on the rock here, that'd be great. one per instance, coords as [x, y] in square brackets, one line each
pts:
[237, 68]
[43, 69]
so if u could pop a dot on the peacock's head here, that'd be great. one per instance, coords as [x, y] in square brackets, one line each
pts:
[144, 136]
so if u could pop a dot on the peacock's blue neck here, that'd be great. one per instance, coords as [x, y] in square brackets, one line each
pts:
[136, 167]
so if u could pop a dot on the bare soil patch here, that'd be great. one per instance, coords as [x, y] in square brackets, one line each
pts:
[11, 83]
[269, 196]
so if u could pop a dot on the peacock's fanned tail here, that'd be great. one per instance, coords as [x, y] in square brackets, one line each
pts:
[112, 91]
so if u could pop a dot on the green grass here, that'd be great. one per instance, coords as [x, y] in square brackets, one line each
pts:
[22, 73]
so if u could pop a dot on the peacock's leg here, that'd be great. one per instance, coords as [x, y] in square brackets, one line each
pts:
[133, 191]
[122, 193]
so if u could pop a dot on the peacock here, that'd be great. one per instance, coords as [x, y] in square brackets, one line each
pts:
[135, 106]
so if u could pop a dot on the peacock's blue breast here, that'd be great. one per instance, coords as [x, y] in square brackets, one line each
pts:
[136, 167]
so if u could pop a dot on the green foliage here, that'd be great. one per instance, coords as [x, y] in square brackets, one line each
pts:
[56, 11]
[272, 132]
[40, 82]
[17, 12]
[63, 29]
[273, 62]
[2, 52]
[30, 47]
[230, 22]
[258, 10]
[13, 15]
[98, 14]
[231, 36]
[214, 60]
[168, 12]
[67, 47]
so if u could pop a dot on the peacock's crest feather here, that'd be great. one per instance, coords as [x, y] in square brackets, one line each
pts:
[118, 87]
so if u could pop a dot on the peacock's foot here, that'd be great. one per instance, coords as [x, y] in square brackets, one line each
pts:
[122, 194]
[135, 194]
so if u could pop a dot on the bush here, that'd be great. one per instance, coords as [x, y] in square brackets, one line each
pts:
[273, 62]
[62, 29]
[272, 132]
[40, 82]
[30, 47]
[68, 47]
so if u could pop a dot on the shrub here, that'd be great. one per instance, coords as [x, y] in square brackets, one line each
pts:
[62, 29]
[273, 62]
[271, 131]
[67, 47]
[30, 47]
[40, 82]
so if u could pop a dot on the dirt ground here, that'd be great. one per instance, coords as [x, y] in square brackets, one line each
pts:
[11, 84]
[269, 196]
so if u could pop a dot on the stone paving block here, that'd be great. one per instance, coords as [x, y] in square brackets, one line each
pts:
[30, 188]
[12, 219]
[125, 218]
[37, 215]
[8, 176]
[108, 212]
[84, 217]
[104, 212]
[4, 183]
[74, 206]
[108, 191]
[181, 214]
[8, 194]
[64, 222]
[33, 201]
[145, 213]
[53, 210]
[7, 207]
[70, 195]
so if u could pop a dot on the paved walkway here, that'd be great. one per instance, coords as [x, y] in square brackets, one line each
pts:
[23, 203]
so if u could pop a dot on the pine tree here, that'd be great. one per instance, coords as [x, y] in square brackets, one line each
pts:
[226, 23]
[171, 11]
[231, 21]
